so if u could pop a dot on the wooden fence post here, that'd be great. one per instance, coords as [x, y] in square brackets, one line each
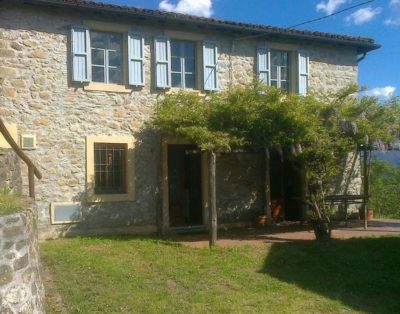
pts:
[213, 199]
[32, 170]
[31, 181]
[366, 183]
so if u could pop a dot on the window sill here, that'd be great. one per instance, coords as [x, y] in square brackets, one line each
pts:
[175, 90]
[114, 88]
[104, 198]
[92, 197]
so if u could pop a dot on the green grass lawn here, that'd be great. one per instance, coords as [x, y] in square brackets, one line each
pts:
[10, 203]
[144, 275]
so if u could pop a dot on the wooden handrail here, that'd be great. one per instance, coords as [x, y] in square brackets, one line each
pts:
[32, 170]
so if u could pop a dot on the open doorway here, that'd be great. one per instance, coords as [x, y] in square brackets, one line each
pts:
[286, 187]
[184, 186]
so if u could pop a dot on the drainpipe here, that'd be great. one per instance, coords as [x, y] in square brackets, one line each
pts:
[362, 57]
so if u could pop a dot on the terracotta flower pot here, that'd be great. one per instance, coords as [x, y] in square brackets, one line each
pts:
[261, 221]
[370, 214]
[276, 206]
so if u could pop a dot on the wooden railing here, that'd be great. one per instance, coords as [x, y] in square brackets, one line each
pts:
[32, 170]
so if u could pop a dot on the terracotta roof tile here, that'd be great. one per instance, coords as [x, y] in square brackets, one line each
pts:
[364, 44]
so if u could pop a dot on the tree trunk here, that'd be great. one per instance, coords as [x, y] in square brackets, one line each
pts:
[213, 199]
[322, 228]
[320, 220]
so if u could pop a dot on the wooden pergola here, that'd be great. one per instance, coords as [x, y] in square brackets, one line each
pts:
[345, 199]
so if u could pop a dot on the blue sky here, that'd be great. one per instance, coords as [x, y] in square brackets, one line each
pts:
[379, 19]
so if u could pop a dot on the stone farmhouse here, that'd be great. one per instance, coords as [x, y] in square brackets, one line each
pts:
[79, 80]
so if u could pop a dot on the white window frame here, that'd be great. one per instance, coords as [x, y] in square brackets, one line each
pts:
[182, 62]
[278, 74]
[106, 65]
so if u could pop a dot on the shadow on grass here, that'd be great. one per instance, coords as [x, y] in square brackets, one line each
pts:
[363, 274]
[125, 238]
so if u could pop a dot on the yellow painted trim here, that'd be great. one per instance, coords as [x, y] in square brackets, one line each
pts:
[175, 90]
[282, 46]
[165, 186]
[98, 198]
[115, 88]
[106, 27]
[66, 221]
[184, 35]
[13, 130]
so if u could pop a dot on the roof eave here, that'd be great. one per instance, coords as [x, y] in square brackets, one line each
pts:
[212, 24]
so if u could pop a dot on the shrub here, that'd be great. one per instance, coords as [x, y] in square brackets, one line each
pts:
[10, 203]
[384, 189]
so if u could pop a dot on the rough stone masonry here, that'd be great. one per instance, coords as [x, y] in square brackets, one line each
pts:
[21, 287]
[37, 94]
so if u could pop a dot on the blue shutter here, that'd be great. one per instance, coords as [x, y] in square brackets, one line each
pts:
[210, 70]
[303, 72]
[162, 62]
[263, 64]
[80, 40]
[136, 59]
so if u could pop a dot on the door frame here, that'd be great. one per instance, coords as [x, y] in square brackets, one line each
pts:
[164, 217]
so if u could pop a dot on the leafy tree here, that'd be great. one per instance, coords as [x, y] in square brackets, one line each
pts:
[324, 128]
[385, 191]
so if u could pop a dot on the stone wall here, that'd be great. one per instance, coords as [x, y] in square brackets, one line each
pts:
[37, 94]
[239, 187]
[10, 171]
[21, 287]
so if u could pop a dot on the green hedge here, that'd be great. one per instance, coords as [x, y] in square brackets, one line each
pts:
[385, 189]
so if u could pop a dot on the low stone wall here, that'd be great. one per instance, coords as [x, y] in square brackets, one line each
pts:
[21, 287]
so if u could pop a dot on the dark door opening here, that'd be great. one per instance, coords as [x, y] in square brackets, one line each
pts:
[184, 186]
[286, 187]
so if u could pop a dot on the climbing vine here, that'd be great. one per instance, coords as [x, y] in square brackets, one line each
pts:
[316, 130]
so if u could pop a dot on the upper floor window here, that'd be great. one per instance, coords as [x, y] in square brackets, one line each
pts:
[288, 70]
[183, 64]
[106, 57]
[177, 64]
[280, 69]
[99, 57]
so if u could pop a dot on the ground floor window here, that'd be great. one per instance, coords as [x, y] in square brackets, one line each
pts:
[109, 168]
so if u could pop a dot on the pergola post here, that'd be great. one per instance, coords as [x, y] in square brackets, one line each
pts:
[366, 183]
[267, 184]
[213, 199]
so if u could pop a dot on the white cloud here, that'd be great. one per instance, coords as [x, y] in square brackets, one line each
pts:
[193, 7]
[363, 15]
[330, 6]
[382, 92]
[394, 19]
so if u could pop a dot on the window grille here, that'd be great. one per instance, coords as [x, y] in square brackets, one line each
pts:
[110, 168]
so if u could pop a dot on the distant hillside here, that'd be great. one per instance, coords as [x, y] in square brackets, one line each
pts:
[392, 156]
